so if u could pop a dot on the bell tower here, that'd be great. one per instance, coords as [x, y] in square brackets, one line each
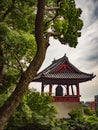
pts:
[66, 77]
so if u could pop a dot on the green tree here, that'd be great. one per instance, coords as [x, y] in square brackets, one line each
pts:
[92, 121]
[34, 111]
[77, 121]
[87, 111]
[97, 112]
[76, 114]
[24, 39]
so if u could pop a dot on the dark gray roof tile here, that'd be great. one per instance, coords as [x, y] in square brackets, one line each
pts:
[69, 72]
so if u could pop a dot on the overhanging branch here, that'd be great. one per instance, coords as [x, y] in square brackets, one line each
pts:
[59, 2]
[18, 61]
[51, 8]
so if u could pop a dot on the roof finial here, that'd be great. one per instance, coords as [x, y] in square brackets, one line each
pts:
[65, 54]
[53, 60]
[65, 57]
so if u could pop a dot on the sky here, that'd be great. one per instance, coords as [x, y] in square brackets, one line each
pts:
[85, 55]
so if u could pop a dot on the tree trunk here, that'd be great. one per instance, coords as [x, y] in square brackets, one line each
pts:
[12, 103]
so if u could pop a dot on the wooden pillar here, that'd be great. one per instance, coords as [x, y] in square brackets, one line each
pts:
[72, 90]
[67, 90]
[42, 88]
[78, 91]
[50, 89]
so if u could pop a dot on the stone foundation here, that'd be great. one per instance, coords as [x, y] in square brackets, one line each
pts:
[63, 108]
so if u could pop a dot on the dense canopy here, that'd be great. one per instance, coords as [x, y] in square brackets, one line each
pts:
[25, 28]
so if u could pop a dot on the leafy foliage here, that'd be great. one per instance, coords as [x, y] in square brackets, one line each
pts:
[75, 114]
[29, 117]
[69, 24]
[22, 46]
[80, 122]
[10, 78]
[97, 112]
[17, 28]
[35, 110]
[17, 42]
[87, 111]
[17, 32]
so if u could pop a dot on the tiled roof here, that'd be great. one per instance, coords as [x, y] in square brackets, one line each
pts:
[67, 75]
[63, 69]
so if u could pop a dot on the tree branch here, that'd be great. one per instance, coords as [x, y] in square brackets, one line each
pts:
[20, 65]
[51, 8]
[53, 34]
[54, 8]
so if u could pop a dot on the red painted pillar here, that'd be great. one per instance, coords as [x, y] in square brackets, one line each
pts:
[67, 90]
[78, 92]
[50, 89]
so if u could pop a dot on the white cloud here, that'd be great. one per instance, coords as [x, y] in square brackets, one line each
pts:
[88, 8]
[88, 45]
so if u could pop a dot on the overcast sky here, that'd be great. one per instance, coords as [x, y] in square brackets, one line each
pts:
[85, 55]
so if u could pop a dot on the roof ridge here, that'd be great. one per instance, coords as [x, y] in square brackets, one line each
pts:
[61, 64]
[56, 63]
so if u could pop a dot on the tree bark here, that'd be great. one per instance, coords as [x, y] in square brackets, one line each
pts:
[26, 77]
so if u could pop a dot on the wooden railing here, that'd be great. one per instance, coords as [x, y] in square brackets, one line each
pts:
[69, 98]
